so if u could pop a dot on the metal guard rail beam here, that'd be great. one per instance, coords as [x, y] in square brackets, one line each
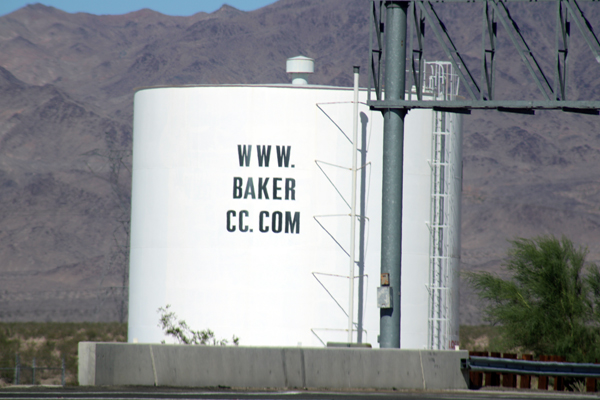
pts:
[524, 367]
[502, 105]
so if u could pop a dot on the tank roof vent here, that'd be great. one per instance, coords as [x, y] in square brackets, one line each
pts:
[300, 67]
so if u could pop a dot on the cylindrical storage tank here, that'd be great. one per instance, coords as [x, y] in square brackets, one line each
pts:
[454, 222]
[240, 217]
[240, 214]
[416, 233]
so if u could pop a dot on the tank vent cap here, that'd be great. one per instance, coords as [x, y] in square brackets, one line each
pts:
[299, 67]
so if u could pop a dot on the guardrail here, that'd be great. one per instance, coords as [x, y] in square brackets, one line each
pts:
[508, 367]
[521, 367]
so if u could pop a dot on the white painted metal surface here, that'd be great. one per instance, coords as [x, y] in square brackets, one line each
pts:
[446, 188]
[416, 233]
[299, 68]
[261, 252]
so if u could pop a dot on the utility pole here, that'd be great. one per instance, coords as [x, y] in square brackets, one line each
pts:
[393, 158]
[389, 88]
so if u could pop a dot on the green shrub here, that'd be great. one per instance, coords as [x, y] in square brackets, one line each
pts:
[551, 303]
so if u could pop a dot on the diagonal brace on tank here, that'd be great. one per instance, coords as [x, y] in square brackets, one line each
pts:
[314, 274]
[329, 179]
[336, 301]
[316, 218]
[331, 119]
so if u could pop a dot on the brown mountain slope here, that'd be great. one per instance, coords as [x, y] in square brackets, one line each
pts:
[57, 211]
[66, 88]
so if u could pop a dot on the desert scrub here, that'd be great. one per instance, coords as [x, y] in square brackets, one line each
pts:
[480, 338]
[49, 342]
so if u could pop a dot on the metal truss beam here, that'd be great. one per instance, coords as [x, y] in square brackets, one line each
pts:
[481, 95]
[417, 54]
[488, 56]
[586, 107]
[498, 1]
[376, 54]
[441, 34]
[587, 32]
[562, 51]
[522, 48]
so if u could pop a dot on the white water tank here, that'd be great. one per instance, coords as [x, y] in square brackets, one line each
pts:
[240, 215]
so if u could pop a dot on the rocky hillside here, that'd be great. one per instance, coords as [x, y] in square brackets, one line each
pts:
[66, 88]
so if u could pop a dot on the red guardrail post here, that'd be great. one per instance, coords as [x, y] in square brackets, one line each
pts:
[509, 380]
[526, 379]
[590, 383]
[542, 379]
[476, 378]
[492, 378]
[559, 381]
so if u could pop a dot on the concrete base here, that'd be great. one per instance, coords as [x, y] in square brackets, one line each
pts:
[269, 367]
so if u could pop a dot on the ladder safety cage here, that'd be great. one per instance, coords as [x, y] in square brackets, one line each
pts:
[441, 83]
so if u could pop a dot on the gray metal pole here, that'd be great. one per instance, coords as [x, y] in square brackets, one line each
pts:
[17, 368]
[393, 149]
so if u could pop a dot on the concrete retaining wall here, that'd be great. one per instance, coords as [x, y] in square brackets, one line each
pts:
[269, 367]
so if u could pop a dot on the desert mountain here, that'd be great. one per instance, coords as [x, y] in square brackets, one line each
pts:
[66, 90]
